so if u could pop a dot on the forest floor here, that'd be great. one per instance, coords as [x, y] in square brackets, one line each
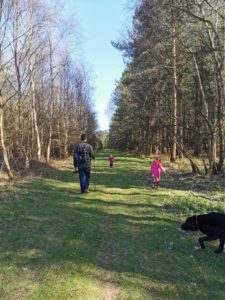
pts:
[121, 241]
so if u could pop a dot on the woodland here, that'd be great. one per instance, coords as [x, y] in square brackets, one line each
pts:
[170, 98]
[122, 240]
[45, 89]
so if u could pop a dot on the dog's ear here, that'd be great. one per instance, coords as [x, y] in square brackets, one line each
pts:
[191, 219]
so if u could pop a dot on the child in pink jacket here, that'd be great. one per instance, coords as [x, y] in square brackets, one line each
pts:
[111, 160]
[156, 169]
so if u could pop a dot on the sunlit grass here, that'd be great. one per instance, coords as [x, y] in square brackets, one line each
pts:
[121, 241]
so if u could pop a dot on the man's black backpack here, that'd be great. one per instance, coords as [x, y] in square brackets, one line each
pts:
[82, 154]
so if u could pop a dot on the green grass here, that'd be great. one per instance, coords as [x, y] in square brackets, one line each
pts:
[121, 241]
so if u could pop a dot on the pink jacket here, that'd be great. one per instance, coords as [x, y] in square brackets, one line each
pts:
[111, 159]
[156, 169]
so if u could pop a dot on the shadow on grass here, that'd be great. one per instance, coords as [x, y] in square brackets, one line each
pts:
[132, 173]
[135, 172]
[49, 225]
[53, 227]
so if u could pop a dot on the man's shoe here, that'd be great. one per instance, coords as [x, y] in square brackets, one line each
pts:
[86, 191]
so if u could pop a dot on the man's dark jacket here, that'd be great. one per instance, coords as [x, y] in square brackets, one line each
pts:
[87, 163]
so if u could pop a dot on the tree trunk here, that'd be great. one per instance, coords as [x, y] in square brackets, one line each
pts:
[34, 113]
[218, 59]
[212, 153]
[174, 98]
[2, 140]
[32, 83]
[195, 168]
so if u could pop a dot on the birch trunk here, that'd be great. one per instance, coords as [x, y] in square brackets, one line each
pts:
[2, 140]
[33, 86]
[49, 142]
[174, 98]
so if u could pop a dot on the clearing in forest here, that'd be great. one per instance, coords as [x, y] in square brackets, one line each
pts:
[121, 241]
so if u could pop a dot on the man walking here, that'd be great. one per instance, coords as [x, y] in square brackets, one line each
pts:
[82, 156]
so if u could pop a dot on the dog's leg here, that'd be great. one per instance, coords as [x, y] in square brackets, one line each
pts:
[206, 238]
[221, 246]
[201, 242]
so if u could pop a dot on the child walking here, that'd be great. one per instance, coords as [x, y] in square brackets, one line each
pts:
[156, 169]
[111, 160]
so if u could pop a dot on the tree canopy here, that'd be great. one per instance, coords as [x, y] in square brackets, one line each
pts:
[45, 90]
[170, 99]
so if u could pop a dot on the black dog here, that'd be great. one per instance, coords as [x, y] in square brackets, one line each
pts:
[212, 224]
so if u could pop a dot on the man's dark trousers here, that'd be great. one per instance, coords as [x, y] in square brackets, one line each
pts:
[84, 175]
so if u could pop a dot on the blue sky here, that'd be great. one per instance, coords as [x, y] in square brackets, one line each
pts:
[100, 22]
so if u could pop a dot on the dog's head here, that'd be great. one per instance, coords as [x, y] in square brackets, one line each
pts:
[190, 224]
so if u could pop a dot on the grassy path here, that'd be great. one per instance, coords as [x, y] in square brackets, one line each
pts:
[121, 241]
